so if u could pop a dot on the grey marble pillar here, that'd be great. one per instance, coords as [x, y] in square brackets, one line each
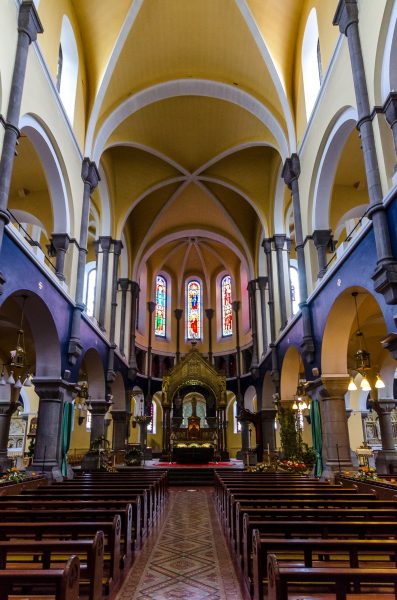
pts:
[267, 417]
[105, 242]
[60, 241]
[29, 26]
[178, 312]
[132, 366]
[262, 284]
[98, 411]
[151, 306]
[334, 424]
[117, 247]
[120, 420]
[7, 409]
[279, 241]
[254, 326]
[209, 312]
[52, 393]
[390, 110]
[321, 239]
[385, 275]
[236, 308]
[124, 284]
[90, 177]
[267, 247]
[386, 459]
[290, 174]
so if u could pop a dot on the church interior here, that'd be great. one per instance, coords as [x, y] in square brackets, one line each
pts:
[198, 290]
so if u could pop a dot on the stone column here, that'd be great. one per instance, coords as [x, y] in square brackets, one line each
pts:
[98, 411]
[90, 177]
[321, 239]
[262, 283]
[29, 26]
[267, 247]
[209, 312]
[386, 459]
[390, 110]
[151, 308]
[178, 315]
[124, 284]
[133, 367]
[105, 242]
[52, 393]
[267, 418]
[7, 408]
[117, 247]
[120, 420]
[290, 174]
[236, 308]
[254, 325]
[385, 275]
[334, 424]
[279, 241]
[60, 241]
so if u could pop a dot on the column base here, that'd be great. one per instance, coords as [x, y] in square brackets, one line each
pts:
[5, 463]
[385, 281]
[91, 462]
[333, 468]
[386, 462]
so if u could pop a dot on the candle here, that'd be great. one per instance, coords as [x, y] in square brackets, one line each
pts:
[268, 450]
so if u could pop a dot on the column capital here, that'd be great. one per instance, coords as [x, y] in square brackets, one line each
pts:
[291, 170]
[209, 312]
[60, 241]
[321, 237]
[346, 14]
[267, 245]
[251, 287]
[335, 385]
[279, 240]
[90, 174]
[119, 414]
[99, 407]
[135, 289]
[390, 108]
[384, 406]
[151, 307]
[124, 283]
[117, 246]
[178, 312]
[28, 20]
[262, 282]
[236, 305]
[105, 242]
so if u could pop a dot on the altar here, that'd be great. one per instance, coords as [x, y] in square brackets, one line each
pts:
[192, 455]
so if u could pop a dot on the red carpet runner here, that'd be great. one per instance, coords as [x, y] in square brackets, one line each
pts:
[187, 559]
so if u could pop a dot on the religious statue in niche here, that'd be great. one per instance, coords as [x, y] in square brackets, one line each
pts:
[193, 426]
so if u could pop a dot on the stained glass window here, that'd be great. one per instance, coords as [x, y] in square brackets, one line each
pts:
[193, 310]
[161, 295]
[227, 311]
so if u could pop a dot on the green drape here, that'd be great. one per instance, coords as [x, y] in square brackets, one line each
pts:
[66, 432]
[317, 435]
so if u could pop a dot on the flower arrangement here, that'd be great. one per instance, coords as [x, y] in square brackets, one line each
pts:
[365, 473]
[292, 466]
[14, 475]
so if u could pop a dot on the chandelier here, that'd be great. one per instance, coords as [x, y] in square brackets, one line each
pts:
[300, 396]
[362, 359]
[17, 358]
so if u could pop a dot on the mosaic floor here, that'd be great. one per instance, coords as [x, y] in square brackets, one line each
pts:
[187, 558]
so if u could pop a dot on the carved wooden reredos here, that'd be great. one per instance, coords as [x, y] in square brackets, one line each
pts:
[194, 370]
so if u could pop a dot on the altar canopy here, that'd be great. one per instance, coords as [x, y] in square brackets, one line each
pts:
[194, 406]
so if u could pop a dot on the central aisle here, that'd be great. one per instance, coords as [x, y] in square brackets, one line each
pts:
[187, 558]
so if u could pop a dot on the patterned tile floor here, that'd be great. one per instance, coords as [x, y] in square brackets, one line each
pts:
[186, 558]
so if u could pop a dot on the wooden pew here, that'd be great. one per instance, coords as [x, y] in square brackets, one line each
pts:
[341, 580]
[20, 503]
[33, 514]
[47, 552]
[64, 582]
[312, 529]
[73, 530]
[308, 548]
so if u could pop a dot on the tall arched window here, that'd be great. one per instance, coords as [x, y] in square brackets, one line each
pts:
[68, 67]
[311, 62]
[151, 427]
[227, 311]
[89, 287]
[236, 422]
[295, 299]
[193, 310]
[161, 306]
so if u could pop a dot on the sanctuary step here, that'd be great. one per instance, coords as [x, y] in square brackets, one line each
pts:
[190, 477]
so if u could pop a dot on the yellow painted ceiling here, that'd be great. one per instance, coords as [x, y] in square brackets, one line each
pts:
[191, 130]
